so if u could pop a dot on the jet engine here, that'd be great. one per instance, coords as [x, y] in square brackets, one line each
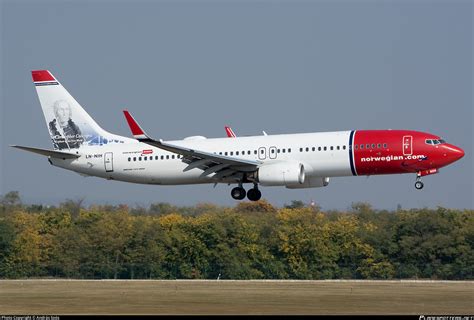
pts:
[281, 174]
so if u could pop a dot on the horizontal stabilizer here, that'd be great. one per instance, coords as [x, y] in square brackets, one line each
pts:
[49, 153]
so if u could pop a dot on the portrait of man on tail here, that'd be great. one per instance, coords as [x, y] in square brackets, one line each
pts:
[64, 132]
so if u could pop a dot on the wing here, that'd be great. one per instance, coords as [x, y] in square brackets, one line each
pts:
[223, 167]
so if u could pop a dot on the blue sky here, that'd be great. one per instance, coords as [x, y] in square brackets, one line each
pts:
[189, 68]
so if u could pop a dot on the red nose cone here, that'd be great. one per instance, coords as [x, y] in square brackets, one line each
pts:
[455, 153]
[459, 153]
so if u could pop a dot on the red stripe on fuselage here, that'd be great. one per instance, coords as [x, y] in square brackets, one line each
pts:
[392, 151]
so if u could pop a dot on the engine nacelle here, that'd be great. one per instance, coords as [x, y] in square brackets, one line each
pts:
[281, 174]
[311, 182]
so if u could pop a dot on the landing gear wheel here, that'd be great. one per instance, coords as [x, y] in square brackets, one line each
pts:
[419, 185]
[238, 193]
[254, 194]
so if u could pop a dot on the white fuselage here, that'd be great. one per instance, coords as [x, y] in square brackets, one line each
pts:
[138, 162]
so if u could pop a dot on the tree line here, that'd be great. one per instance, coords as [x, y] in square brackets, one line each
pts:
[253, 240]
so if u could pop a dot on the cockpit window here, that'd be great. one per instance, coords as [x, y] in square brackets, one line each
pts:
[434, 141]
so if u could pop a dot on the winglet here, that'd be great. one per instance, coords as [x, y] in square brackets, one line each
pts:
[137, 131]
[230, 132]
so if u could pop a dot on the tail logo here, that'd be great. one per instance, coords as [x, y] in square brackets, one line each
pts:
[64, 132]
[69, 125]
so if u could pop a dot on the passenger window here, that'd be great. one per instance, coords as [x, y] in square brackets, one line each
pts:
[362, 146]
[289, 150]
[145, 158]
[162, 157]
[167, 157]
[332, 148]
[237, 153]
[338, 148]
[129, 159]
[139, 158]
[255, 152]
[284, 150]
[278, 150]
[248, 152]
[325, 148]
[172, 157]
[134, 158]
[301, 149]
[344, 147]
[319, 148]
[356, 146]
[367, 146]
[385, 145]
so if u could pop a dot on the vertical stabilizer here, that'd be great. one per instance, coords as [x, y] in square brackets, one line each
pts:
[69, 125]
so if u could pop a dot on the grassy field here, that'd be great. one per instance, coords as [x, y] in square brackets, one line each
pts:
[235, 297]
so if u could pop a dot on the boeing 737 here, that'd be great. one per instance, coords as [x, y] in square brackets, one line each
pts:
[304, 160]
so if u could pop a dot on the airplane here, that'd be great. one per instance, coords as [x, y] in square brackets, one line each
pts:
[294, 161]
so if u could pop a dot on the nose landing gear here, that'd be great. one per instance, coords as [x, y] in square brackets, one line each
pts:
[418, 184]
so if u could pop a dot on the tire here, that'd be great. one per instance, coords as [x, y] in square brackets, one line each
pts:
[238, 193]
[254, 194]
[419, 185]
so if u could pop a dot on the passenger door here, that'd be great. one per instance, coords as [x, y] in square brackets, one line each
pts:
[109, 161]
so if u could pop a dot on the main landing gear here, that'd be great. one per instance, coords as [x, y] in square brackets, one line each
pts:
[238, 193]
